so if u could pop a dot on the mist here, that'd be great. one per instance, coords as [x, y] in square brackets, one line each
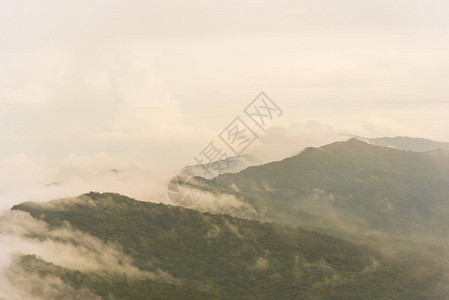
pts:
[20, 234]
[120, 96]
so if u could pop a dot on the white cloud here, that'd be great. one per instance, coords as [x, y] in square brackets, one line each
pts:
[281, 142]
[23, 179]
[143, 86]
[63, 247]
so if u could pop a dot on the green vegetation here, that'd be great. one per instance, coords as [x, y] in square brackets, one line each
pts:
[351, 186]
[395, 201]
[108, 287]
[223, 257]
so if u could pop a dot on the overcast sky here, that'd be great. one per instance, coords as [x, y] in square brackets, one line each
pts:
[149, 83]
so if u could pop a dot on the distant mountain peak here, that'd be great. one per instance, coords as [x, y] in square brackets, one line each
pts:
[406, 143]
[351, 145]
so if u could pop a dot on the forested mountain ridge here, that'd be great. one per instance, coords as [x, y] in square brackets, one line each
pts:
[222, 257]
[350, 184]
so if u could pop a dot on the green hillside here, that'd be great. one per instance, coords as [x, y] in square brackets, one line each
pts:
[351, 186]
[222, 257]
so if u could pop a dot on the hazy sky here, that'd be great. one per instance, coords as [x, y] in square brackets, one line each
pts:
[149, 83]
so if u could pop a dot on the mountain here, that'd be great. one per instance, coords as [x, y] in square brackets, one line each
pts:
[186, 254]
[407, 143]
[352, 186]
[233, 164]
[238, 163]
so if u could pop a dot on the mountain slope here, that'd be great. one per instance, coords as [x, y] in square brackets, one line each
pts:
[222, 257]
[407, 143]
[351, 185]
[232, 164]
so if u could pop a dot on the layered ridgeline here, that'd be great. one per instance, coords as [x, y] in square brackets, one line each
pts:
[407, 143]
[139, 250]
[351, 186]
[238, 163]
[232, 164]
